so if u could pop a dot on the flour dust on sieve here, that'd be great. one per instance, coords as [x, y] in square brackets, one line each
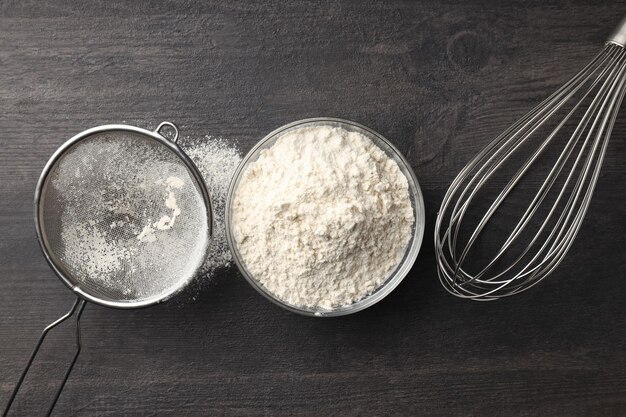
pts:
[124, 217]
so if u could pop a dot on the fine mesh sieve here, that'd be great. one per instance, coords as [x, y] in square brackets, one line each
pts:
[123, 218]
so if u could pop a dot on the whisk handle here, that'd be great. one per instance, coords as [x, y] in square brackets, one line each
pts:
[619, 34]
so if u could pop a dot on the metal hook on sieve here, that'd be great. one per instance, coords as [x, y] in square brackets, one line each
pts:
[169, 124]
[77, 307]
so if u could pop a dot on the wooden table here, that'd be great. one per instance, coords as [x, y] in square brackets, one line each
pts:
[439, 79]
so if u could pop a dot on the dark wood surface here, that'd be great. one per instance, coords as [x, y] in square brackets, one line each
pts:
[439, 78]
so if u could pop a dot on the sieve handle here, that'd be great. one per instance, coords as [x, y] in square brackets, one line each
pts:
[169, 124]
[77, 307]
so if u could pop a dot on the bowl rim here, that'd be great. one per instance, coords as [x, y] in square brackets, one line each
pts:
[401, 270]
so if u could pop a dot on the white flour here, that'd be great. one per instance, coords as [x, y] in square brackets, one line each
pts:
[217, 160]
[100, 257]
[166, 222]
[322, 217]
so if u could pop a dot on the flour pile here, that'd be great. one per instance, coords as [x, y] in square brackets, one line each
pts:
[323, 217]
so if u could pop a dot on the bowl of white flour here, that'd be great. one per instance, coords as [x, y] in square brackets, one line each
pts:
[324, 217]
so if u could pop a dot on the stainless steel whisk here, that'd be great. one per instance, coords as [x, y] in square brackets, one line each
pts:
[581, 114]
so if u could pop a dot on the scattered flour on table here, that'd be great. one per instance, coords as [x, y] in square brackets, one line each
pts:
[217, 161]
[322, 217]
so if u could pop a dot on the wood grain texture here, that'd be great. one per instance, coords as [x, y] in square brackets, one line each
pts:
[439, 78]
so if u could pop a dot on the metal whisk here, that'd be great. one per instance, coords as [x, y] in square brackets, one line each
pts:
[562, 142]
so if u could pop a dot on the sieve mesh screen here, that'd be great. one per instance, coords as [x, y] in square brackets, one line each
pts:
[123, 217]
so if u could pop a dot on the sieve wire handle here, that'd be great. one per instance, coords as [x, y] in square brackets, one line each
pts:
[77, 307]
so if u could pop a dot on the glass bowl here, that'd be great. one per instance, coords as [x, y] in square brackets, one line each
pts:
[415, 194]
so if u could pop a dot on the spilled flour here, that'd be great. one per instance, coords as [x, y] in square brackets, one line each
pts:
[217, 161]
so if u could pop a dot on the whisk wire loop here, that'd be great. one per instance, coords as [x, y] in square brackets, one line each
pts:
[542, 235]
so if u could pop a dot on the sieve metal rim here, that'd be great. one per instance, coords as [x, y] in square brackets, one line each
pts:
[154, 135]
